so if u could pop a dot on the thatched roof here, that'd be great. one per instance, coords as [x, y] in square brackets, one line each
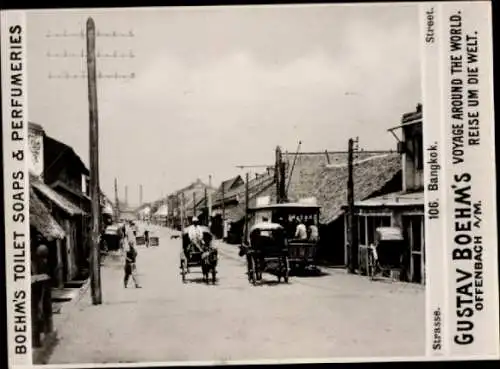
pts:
[61, 155]
[314, 177]
[59, 200]
[42, 220]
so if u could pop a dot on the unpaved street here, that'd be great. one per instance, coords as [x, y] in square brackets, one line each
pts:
[334, 315]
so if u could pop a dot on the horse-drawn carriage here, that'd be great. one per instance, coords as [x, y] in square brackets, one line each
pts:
[194, 255]
[111, 238]
[301, 252]
[266, 251]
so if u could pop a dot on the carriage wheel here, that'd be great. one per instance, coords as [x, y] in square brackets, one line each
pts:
[258, 270]
[250, 269]
[253, 270]
[287, 270]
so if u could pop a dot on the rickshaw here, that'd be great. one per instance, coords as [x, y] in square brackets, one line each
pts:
[301, 252]
[387, 253]
[112, 237]
[266, 251]
[195, 256]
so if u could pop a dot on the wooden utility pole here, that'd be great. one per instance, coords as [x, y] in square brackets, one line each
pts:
[94, 164]
[126, 196]
[352, 222]
[194, 204]
[210, 202]
[223, 211]
[247, 205]
[178, 210]
[183, 210]
[117, 204]
[140, 195]
[277, 176]
[206, 204]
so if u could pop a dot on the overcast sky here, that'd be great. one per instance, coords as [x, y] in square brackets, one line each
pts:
[222, 86]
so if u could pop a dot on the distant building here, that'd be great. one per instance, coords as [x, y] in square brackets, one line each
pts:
[229, 204]
[183, 203]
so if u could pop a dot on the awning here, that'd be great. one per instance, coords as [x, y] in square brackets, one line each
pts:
[389, 234]
[112, 230]
[162, 211]
[59, 200]
[42, 220]
[107, 210]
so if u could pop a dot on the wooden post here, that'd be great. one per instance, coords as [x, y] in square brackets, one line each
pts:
[210, 203]
[183, 210]
[206, 206]
[353, 229]
[177, 210]
[194, 204]
[223, 211]
[277, 174]
[94, 163]
[117, 204]
[247, 205]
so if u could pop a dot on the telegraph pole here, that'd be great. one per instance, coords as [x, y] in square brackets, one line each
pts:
[210, 202]
[140, 195]
[206, 204]
[223, 211]
[183, 210]
[94, 163]
[126, 196]
[277, 176]
[247, 205]
[117, 204]
[177, 209]
[352, 223]
[194, 204]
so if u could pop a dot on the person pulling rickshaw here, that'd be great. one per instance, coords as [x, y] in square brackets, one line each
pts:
[198, 250]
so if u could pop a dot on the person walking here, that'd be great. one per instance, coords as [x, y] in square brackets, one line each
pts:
[146, 237]
[130, 265]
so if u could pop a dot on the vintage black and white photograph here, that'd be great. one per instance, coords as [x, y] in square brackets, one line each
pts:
[226, 184]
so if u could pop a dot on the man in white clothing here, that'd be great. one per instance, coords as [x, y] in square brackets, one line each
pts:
[301, 231]
[195, 233]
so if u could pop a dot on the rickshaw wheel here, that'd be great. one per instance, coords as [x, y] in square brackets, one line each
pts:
[250, 269]
[287, 270]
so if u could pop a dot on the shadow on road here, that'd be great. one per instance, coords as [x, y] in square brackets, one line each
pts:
[309, 273]
[264, 282]
[199, 280]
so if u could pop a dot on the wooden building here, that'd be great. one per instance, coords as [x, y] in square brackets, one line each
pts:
[323, 176]
[60, 179]
[404, 208]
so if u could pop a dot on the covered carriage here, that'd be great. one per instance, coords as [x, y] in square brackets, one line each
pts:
[203, 256]
[301, 251]
[266, 250]
[387, 253]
